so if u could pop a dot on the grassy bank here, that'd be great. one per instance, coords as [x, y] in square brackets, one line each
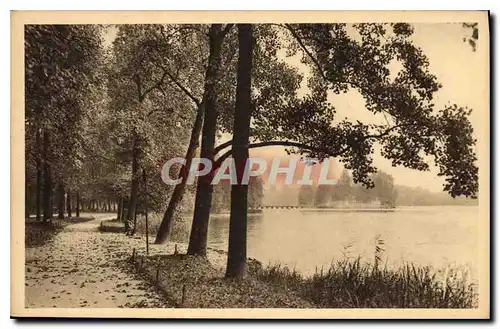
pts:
[348, 283]
[193, 282]
[352, 284]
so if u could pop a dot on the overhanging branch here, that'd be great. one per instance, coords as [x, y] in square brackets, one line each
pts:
[303, 146]
[289, 143]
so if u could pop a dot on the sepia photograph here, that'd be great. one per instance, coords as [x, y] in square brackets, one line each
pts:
[279, 165]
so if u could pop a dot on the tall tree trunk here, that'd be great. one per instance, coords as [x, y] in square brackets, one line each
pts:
[176, 198]
[237, 250]
[60, 206]
[68, 203]
[47, 179]
[132, 206]
[77, 203]
[204, 189]
[39, 174]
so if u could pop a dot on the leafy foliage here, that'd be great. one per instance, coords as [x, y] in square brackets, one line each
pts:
[358, 57]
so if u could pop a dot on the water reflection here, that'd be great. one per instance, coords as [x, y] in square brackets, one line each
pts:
[435, 236]
[218, 230]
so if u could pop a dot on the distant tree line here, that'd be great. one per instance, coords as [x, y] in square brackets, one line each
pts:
[384, 191]
[345, 191]
[417, 196]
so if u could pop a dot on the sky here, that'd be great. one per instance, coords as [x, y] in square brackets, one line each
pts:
[458, 68]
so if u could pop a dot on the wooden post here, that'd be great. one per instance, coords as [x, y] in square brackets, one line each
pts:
[133, 255]
[183, 294]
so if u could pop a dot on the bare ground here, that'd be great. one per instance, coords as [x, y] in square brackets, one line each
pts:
[81, 267]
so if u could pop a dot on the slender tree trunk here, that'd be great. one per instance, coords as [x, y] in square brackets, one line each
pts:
[60, 206]
[39, 174]
[47, 179]
[68, 203]
[119, 211]
[132, 206]
[77, 203]
[237, 250]
[176, 198]
[122, 210]
[204, 189]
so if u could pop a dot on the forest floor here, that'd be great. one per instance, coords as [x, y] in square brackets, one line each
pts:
[82, 267]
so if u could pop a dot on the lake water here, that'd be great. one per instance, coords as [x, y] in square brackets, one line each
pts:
[436, 236]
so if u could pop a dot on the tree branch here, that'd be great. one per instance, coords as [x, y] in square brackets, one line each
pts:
[318, 65]
[299, 145]
[222, 146]
[157, 85]
[137, 80]
[182, 87]
[229, 142]
[223, 157]
[306, 51]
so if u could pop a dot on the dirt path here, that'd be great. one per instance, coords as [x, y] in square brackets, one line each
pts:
[82, 267]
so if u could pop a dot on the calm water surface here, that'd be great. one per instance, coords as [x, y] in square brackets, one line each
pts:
[306, 240]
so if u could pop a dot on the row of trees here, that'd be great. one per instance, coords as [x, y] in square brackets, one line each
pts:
[60, 89]
[101, 121]
[383, 191]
